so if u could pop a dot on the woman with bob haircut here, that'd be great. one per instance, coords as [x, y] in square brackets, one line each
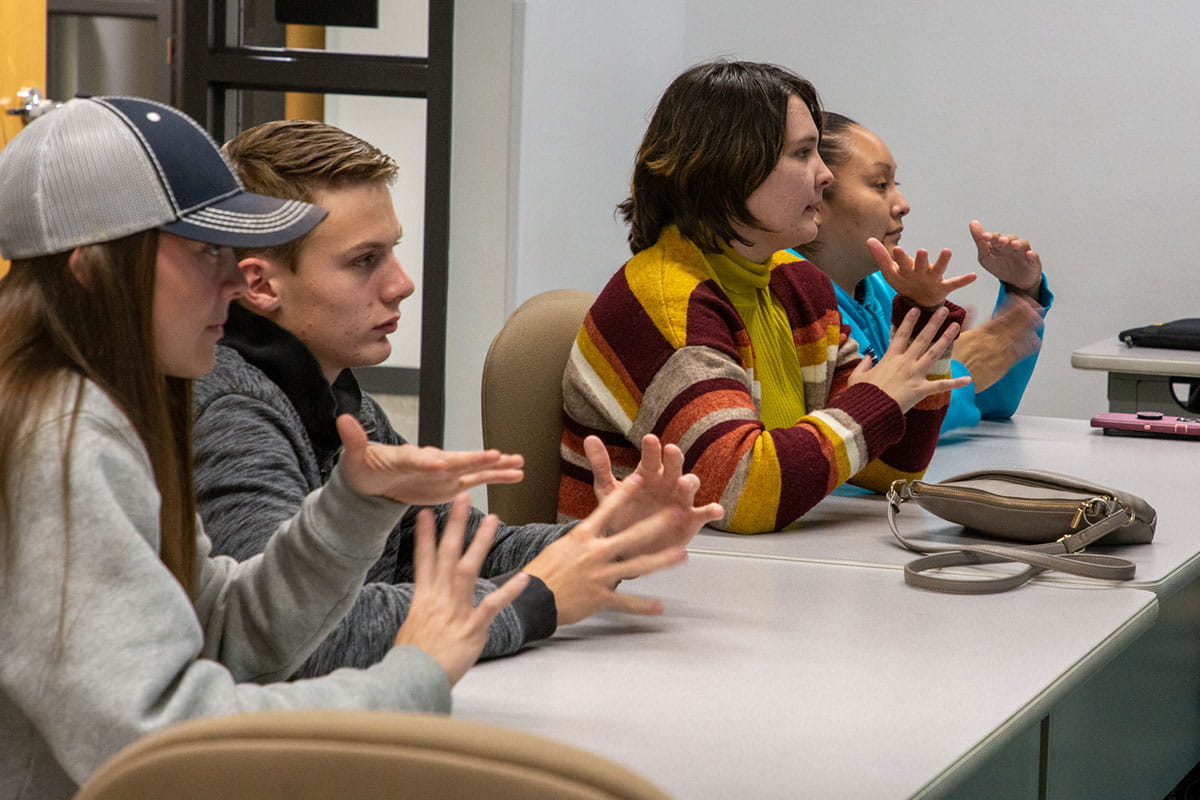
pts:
[865, 201]
[715, 338]
[120, 216]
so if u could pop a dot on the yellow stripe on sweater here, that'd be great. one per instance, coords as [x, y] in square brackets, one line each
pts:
[836, 436]
[663, 279]
[878, 476]
[758, 505]
[606, 380]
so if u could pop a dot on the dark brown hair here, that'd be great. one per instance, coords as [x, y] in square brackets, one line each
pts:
[99, 326]
[294, 159]
[717, 133]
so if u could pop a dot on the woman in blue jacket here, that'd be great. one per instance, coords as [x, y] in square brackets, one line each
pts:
[865, 203]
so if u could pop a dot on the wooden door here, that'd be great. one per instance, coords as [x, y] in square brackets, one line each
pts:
[22, 62]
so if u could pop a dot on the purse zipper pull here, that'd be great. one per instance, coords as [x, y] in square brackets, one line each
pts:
[1079, 512]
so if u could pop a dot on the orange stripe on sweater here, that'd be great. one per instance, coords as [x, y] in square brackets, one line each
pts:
[716, 467]
[691, 413]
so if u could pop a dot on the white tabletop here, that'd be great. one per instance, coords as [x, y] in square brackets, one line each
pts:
[770, 678]
[1113, 355]
[854, 530]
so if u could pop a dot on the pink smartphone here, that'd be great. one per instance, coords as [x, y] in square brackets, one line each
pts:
[1147, 423]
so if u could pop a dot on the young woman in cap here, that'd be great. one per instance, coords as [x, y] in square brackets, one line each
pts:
[715, 338]
[119, 216]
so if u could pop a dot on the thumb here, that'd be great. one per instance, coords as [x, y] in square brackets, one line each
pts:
[880, 253]
[354, 438]
[977, 232]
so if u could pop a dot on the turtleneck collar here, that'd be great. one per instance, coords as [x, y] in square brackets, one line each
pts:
[736, 274]
[288, 363]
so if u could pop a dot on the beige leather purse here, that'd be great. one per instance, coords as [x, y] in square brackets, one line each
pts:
[1054, 516]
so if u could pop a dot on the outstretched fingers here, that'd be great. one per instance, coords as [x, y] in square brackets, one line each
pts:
[497, 601]
[495, 475]
[667, 528]
[452, 561]
[424, 550]
[418, 475]
[935, 350]
[904, 332]
[603, 480]
[924, 337]
[651, 461]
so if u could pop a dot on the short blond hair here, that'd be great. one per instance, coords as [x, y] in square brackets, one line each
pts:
[294, 159]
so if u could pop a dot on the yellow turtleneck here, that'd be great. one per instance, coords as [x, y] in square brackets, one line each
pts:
[775, 378]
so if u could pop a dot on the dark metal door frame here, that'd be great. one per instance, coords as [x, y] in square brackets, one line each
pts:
[163, 12]
[210, 67]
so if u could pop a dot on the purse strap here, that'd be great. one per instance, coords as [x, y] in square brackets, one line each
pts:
[1061, 555]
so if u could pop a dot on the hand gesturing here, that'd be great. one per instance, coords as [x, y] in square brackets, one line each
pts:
[1008, 258]
[418, 475]
[990, 350]
[441, 620]
[584, 567]
[662, 481]
[902, 370]
[918, 280]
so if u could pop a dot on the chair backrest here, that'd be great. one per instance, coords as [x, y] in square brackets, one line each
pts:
[345, 755]
[522, 399]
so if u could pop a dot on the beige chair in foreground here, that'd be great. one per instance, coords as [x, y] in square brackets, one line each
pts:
[347, 755]
[522, 399]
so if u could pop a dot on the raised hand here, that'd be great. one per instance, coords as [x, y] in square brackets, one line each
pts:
[1008, 258]
[990, 350]
[902, 370]
[584, 567]
[918, 280]
[662, 483]
[441, 620]
[418, 475]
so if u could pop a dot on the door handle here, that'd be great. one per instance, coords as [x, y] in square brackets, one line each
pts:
[35, 105]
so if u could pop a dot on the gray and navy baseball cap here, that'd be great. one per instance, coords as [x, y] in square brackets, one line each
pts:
[100, 168]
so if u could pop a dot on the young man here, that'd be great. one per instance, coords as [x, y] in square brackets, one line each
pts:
[265, 433]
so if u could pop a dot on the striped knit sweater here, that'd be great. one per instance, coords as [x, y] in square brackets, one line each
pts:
[663, 351]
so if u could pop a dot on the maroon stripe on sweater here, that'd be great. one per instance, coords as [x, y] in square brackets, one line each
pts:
[580, 431]
[624, 328]
[804, 481]
[712, 322]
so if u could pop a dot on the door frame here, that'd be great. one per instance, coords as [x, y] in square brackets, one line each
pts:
[210, 68]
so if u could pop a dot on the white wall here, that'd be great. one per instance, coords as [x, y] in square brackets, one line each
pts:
[547, 115]
[1073, 124]
[395, 125]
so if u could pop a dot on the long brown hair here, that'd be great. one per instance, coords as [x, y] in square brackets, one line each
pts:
[94, 318]
[716, 135]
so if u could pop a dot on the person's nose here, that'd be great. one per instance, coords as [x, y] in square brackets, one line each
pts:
[399, 285]
[824, 175]
[233, 280]
[901, 207]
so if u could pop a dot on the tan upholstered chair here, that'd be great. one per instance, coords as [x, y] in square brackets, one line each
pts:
[347, 755]
[522, 399]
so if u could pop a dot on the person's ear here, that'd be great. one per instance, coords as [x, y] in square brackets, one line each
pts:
[262, 290]
[79, 268]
